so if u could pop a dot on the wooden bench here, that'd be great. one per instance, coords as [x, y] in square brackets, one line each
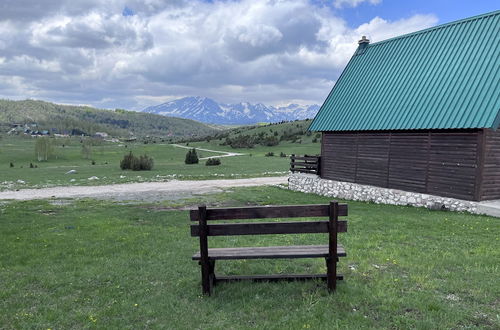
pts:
[331, 252]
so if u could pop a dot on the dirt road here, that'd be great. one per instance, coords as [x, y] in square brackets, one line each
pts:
[144, 191]
[224, 153]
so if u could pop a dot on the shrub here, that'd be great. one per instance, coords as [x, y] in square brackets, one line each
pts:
[191, 157]
[146, 163]
[31, 165]
[269, 141]
[92, 162]
[142, 163]
[126, 162]
[269, 154]
[11, 164]
[282, 154]
[212, 162]
[241, 141]
[314, 140]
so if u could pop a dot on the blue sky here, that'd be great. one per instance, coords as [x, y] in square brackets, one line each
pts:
[445, 10]
[136, 53]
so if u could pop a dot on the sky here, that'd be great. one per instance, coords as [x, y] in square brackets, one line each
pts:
[136, 53]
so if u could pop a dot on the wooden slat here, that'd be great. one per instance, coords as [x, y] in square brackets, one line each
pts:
[274, 278]
[263, 228]
[490, 176]
[437, 162]
[303, 170]
[313, 158]
[308, 165]
[259, 212]
[271, 252]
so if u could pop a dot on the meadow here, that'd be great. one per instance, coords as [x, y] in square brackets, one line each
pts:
[168, 162]
[96, 264]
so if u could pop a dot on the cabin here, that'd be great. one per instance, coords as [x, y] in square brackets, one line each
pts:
[419, 113]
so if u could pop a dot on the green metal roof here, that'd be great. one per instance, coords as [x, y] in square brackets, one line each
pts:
[443, 77]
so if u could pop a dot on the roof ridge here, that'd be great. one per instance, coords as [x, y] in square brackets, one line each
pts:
[437, 27]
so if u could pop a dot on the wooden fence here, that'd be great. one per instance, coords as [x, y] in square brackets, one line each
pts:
[305, 164]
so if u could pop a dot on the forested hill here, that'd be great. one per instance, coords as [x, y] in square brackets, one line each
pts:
[67, 118]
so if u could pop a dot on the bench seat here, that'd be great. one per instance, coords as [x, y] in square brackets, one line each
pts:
[271, 252]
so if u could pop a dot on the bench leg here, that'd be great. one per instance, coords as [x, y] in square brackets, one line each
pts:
[331, 273]
[205, 277]
[213, 279]
[208, 278]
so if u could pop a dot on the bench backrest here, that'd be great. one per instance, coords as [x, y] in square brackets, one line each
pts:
[332, 226]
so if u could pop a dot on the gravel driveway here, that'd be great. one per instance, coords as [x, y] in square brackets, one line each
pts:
[144, 191]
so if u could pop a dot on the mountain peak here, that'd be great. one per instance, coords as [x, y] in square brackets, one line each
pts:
[206, 110]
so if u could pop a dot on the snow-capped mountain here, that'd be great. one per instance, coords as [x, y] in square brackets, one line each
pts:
[209, 111]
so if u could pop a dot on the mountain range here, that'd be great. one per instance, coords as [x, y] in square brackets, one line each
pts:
[59, 118]
[209, 111]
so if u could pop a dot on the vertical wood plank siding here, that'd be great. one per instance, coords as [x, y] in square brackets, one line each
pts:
[440, 162]
[490, 188]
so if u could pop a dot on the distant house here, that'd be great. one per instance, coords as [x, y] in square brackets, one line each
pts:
[101, 135]
[419, 113]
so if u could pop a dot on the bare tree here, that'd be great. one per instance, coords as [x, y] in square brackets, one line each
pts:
[87, 148]
[43, 149]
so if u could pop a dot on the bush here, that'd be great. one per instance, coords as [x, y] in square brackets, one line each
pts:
[142, 163]
[282, 154]
[11, 164]
[126, 162]
[269, 141]
[191, 157]
[146, 163]
[212, 162]
[269, 154]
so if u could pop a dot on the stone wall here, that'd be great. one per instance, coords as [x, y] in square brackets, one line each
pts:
[310, 183]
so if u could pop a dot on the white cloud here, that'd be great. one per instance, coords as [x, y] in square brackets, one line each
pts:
[353, 3]
[379, 29]
[250, 50]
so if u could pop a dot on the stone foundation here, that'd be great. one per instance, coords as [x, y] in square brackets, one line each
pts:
[310, 183]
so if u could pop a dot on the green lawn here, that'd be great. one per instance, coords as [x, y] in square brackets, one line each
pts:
[92, 264]
[169, 163]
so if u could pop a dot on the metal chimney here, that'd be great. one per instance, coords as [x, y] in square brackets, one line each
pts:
[363, 44]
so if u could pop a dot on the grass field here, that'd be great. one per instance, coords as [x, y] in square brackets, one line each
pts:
[169, 163]
[92, 264]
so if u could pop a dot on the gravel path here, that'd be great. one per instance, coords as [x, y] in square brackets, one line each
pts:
[224, 153]
[144, 191]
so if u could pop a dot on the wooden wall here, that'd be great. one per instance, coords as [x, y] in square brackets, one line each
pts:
[438, 162]
[490, 188]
